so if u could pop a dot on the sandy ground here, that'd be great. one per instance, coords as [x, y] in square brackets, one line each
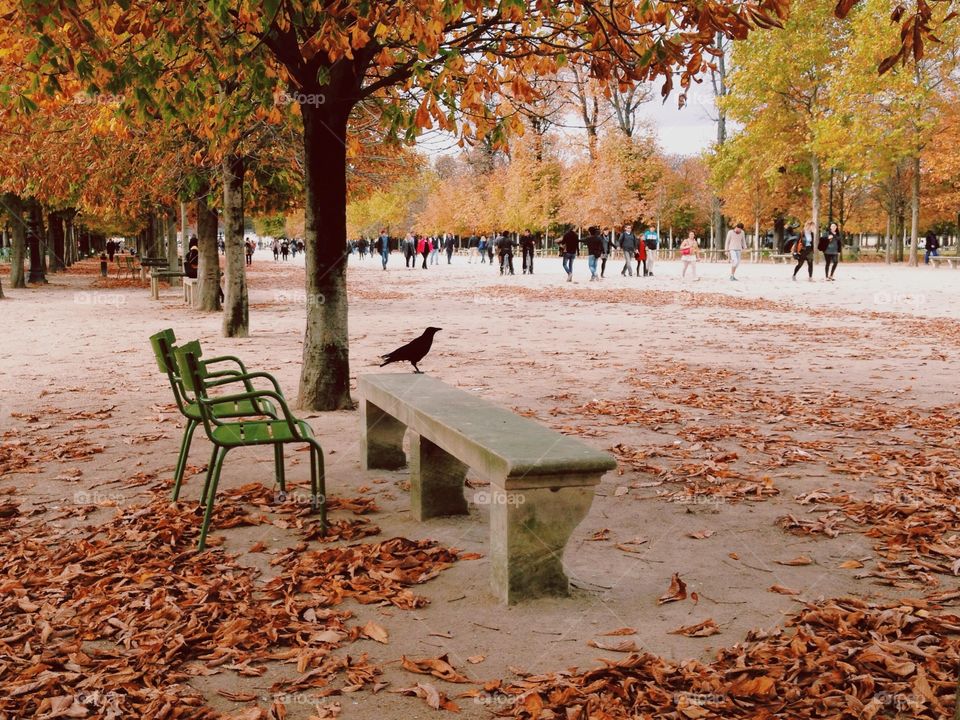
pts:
[689, 382]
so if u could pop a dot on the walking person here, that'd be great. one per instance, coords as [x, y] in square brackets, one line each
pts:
[641, 257]
[569, 245]
[410, 250]
[735, 245]
[448, 243]
[832, 247]
[651, 241]
[472, 248]
[285, 250]
[435, 250]
[423, 250]
[383, 247]
[249, 248]
[527, 250]
[931, 247]
[594, 244]
[505, 253]
[628, 246]
[607, 239]
[275, 246]
[482, 249]
[806, 244]
[111, 249]
[689, 254]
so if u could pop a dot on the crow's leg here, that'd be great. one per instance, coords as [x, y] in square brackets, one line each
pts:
[416, 370]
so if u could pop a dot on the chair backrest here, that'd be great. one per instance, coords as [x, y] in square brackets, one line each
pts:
[163, 343]
[192, 371]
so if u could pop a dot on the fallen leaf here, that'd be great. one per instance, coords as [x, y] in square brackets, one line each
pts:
[676, 591]
[783, 590]
[703, 629]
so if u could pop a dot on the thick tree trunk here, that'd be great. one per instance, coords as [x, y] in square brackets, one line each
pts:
[184, 230]
[57, 245]
[236, 312]
[915, 212]
[325, 377]
[35, 240]
[70, 237]
[18, 248]
[208, 271]
[172, 256]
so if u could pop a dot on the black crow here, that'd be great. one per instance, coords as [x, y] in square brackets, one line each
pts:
[414, 351]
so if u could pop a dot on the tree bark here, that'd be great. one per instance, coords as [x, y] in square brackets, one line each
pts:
[236, 315]
[70, 237]
[57, 245]
[208, 271]
[35, 240]
[915, 212]
[325, 376]
[815, 191]
[18, 228]
[172, 256]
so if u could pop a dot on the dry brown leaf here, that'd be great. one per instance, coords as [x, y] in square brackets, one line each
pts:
[702, 629]
[799, 560]
[676, 591]
[625, 646]
[373, 631]
[783, 590]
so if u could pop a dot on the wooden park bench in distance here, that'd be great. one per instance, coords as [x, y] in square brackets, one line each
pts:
[541, 482]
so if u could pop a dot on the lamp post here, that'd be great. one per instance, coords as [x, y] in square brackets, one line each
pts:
[831, 198]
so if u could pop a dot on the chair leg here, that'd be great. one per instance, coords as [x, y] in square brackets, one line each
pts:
[211, 493]
[182, 459]
[206, 481]
[318, 484]
[278, 468]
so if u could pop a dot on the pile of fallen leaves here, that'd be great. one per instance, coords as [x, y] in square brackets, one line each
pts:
[113, 620]
[843, 659]
[913, 516]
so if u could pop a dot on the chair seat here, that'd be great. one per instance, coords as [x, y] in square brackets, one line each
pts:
[242, 408]
[259, 432]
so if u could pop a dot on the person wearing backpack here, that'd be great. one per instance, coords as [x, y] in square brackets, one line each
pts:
[832, 246]
[527, 250]
[804, 249]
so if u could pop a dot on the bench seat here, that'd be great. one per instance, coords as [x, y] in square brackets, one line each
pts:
[542, 482]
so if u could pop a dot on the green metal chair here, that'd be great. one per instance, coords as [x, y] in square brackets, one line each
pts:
[226, 435]
[164, 345]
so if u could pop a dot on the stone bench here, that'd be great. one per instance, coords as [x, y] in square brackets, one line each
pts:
[190, 291]
[784, 257]
[541, 482]
[951, 261]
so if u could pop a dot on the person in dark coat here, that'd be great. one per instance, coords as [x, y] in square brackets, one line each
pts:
[527, 250]
[931, 247]
[594, 245]
[448, 243]
[505, 251]
[628, 245]
[569, 246]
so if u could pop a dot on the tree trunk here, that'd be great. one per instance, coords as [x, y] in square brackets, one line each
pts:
[915, 212]
[208, 271]
[57, 245]
[815, 192]
[70, 237]
[325, 377]
[35, 240]
[18, 228]
[172, 256]
[236, 315]
[184, 230]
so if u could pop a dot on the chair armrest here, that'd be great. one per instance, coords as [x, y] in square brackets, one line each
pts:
[255, 395]
[245, 378]
[224, 358]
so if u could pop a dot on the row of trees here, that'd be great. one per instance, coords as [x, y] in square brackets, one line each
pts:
[816, 113]
[119, 112]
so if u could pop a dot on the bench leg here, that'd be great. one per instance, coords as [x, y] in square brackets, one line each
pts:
[529, 530]
[154, 288]
[436, 480]
[381, 441]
